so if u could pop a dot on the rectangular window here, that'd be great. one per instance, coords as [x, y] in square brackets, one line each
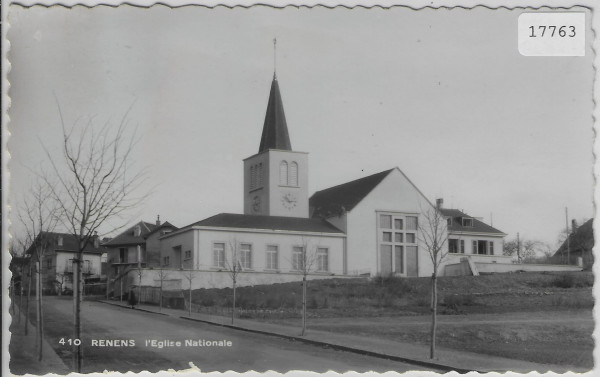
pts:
[491, 249]
[399, 259]
[449, 220]
[398, 237]
[452, 246]
[322, 259]
[188, 254]
[387, 237]
[385, 221]
[412, 223]
[467, 222]
[411, 238]
[398, 224]
[474, 247]
[272, 257]
[260, 175]
[122, 255]
[219, 255]
[462, 246]
[297, 258]
[166, 261]
[246, 255]
[48, 263]
[482, 247]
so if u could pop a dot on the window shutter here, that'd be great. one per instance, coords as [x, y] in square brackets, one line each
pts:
[293, 178]
[283, 173]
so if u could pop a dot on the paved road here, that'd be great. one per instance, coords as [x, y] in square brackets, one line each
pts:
[247, 351]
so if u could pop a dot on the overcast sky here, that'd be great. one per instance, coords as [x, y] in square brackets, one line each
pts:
[442, 94]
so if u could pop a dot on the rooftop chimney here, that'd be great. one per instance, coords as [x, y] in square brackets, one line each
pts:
[157, 219]
[439, 203]
[573, 226]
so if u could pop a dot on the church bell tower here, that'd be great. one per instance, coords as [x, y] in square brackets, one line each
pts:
[276, 178]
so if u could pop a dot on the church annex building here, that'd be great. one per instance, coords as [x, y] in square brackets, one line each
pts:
[366, 227]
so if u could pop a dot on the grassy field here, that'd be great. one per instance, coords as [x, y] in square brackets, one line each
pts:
[540, 317]
[409, 296]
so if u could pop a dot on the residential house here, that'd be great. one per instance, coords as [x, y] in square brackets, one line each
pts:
[59, 251]
[580, 244]
[138, 246]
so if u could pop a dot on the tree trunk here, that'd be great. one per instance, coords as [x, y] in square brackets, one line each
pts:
[303, 305]
[160, 295]
[233, 303]
[28, 298]
[433, 314]
[20, 298]
[190, 306]
[77, 296]
[40, 323]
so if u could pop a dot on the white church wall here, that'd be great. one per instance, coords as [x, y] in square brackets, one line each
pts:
[394, 194]
[299, 192]
[259, 242]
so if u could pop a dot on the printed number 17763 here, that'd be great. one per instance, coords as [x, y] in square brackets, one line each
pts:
[552, 31]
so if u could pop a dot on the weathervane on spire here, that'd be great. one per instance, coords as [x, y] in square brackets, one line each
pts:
[274, 58]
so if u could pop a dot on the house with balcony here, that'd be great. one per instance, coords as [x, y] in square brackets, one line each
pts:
[56, 263]
[136, 247]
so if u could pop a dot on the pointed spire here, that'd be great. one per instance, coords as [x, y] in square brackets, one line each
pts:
[275, 133]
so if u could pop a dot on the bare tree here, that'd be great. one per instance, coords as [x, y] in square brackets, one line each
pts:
[234, 267]
[305, 261]
[162, 276]
[93, 184]
[526, 250]
[38, 218]
[189, 276]
[433, 235]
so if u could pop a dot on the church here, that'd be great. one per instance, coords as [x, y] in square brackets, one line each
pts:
[366, 227]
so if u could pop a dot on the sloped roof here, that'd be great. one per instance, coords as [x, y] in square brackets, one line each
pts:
[456, 226]
[263, 222]
[166, 224]
[344, 197]
[127, 238]
[580, 239]
[69, 243]
[275, 133]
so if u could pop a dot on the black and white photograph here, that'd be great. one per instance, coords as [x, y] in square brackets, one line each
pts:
[298, 188]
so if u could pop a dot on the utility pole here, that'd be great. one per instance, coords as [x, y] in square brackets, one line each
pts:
[568, 235]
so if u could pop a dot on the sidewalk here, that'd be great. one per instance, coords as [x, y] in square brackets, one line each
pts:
[447, 359]
[23, 351]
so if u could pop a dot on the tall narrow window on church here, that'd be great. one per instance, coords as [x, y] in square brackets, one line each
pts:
[219, 255]
[283, 173]
[293, 178]
[297, 258]
[246, 255]
[260, 175]
[322, 259]
[252, 177]
[272, 257]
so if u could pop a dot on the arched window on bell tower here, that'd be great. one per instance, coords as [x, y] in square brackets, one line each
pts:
[283, 173]
[293, 174]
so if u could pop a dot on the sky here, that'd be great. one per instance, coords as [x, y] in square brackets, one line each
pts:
[442, 94]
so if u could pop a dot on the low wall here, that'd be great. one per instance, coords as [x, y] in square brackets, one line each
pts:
[179, 279]
[490, 268]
